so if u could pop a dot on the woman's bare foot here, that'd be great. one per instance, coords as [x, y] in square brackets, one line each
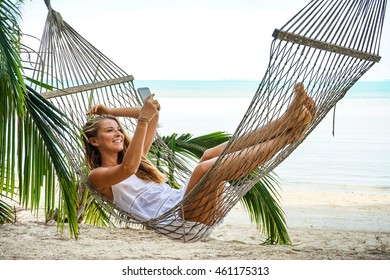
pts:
[294, 110]
[299, 99]
[311, 106]
[308, 102]
[303, 122]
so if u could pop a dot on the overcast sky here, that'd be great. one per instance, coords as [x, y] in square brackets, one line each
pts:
[183, 39]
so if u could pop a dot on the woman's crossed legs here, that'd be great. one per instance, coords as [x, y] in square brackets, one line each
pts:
[245, 154]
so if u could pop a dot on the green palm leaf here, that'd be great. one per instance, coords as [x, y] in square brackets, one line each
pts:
[10, 65]
[11, 98]
[5, 213]
[43, 121]
[262, 204]
[95, 214]
[31, 159]
[190, 148]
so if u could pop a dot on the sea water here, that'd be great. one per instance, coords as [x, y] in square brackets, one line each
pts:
[356, 157]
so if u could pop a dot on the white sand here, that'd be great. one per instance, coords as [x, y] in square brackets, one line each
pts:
[322, 225]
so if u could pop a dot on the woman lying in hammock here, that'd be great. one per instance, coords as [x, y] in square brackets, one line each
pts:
[121, 172]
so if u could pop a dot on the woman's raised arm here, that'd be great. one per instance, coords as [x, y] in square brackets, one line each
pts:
[130, 112]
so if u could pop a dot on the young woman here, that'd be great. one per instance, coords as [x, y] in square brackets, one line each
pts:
[121, 172]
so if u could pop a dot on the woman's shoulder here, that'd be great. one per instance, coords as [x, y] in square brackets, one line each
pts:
[96, 179]
[94, 174]
[102, 177]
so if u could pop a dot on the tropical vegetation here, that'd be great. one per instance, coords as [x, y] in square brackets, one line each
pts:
[35, 173]
[31, 160]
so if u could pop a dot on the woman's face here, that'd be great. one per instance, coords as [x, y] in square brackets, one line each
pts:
[109, 136]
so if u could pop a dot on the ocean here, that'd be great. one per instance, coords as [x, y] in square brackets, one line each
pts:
[356, 158]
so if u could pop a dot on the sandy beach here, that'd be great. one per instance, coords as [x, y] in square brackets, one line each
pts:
[323, 225]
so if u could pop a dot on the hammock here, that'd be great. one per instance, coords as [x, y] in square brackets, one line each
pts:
[328, 46]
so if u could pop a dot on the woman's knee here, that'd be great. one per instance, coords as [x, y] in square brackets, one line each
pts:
[201, 169]
[209, 154]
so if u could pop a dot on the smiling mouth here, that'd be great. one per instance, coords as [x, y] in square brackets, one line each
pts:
[118, 141]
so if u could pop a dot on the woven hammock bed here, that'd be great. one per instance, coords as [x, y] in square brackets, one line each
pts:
[327, 46]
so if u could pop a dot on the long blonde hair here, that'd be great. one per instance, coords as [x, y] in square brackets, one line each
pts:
[146, 170]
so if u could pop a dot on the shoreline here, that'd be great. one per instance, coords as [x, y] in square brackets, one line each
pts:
[322, 226]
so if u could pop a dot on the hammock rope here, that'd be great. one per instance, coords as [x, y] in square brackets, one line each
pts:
[328, 46]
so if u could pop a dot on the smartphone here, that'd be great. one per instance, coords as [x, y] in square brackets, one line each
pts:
[144, 92]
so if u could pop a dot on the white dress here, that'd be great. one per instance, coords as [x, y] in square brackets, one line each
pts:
[147, 200]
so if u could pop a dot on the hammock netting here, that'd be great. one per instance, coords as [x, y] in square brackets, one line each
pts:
[327, 46]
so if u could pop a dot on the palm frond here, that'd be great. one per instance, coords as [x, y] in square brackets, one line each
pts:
[6, 213]
[211, 139]
[194, 147]
[11, 97]
[95, 213]
[10, 65]
[262, 204]
[45, 159]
